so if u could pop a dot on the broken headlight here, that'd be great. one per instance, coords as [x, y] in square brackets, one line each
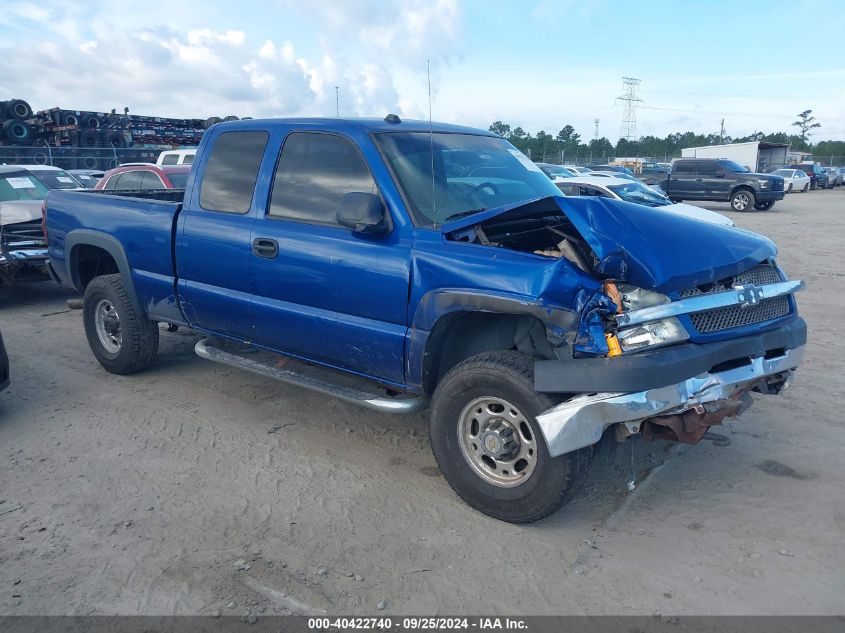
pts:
[634, 298]
[654, 334]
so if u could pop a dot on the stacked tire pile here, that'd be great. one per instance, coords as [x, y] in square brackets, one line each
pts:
[74, 139]
[15, 129]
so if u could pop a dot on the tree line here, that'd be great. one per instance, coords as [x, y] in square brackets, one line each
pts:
[568, 146]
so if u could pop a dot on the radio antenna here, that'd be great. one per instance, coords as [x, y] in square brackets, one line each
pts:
[431, 146]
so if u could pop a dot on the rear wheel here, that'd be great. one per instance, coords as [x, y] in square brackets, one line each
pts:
[487, 442]
[806, 188]
[742, 200]
[123, 341]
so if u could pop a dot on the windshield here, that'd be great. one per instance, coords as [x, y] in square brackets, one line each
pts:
[786, 173]
[732, 166]
[55, 178]
[557, 170]
[20, 185]
[471, 173]
[639, 193]
[179, 180]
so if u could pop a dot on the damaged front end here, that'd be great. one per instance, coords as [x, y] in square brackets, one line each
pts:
[688, 320]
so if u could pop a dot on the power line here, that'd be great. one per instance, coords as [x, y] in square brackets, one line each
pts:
[628, 129]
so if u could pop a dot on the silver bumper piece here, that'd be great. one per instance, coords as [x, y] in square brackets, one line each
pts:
[580, 422]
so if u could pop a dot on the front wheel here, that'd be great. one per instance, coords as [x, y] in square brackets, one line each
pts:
[123, 341]
[764, 206]
[488, 445]
[789, 189]
[742, 200]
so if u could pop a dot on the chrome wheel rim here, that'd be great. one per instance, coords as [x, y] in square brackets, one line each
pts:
[107, 324]
[497, 442]
[741, 202]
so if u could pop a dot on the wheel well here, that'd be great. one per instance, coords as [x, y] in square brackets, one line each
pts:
[461, 335]
[741, 187]
[91, 261]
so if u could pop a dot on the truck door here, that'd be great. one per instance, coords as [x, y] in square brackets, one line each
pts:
[213, 241]
[713, 180]
[682, 183]
[323, 292]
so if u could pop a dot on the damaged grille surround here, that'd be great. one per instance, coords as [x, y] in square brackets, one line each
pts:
[758, 295]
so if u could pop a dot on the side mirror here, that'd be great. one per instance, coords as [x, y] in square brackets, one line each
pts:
[363, 213]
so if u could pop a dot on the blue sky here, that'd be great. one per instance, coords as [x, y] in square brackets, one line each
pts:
[536, 63]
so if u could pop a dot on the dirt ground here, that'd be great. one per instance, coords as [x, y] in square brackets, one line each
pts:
[194, 488]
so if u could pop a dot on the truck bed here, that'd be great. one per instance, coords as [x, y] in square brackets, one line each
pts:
[138, 223]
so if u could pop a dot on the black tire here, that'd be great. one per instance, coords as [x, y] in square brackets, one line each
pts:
[764, 206]
[509, 376]
[806, 188]
[89, 138]
[16, 130]
[212, 120]
[17, 109]
[69, 118]
[742, 200]
[789, 188]
[139, 342]
[11, 156]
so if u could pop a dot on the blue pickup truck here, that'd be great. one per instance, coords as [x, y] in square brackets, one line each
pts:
[397, 264]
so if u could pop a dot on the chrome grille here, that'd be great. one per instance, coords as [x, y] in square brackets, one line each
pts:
[737, 316]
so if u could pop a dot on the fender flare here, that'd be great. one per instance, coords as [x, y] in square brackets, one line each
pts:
[110, 244]
[436, 304]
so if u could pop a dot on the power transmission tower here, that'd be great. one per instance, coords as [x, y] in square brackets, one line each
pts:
[629, 118]
[597, 129]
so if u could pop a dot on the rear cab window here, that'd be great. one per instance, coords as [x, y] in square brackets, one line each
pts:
[685, 168]
[228, 184]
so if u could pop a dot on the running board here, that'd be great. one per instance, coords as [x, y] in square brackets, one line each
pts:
[284, 368]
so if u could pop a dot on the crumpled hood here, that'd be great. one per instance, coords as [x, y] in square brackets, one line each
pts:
[15, 211]
[643, 246]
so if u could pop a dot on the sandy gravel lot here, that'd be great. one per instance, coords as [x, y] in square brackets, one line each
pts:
[193, 488]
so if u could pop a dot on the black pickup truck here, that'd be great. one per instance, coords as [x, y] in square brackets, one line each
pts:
[722, 180]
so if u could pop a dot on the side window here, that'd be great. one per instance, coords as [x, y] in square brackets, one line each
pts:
[170, 159]
[315, 171]
[151, 180]
[130, 180]
[685, 168]
[188, 159]
[231, 171]
[567, 189]
[112, 182]
[592, 191]
[707, 168]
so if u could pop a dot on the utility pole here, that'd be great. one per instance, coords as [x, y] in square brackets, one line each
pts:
[629, 118]
[337, 101]
[722, 133]
[597, 129]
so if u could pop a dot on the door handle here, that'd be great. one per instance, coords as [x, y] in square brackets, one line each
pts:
[265, 247]
[699, 180]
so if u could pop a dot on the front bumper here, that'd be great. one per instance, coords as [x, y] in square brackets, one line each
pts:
[768, 195]
[581, 421]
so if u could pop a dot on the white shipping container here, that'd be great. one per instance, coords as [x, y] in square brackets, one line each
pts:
[757, 156]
